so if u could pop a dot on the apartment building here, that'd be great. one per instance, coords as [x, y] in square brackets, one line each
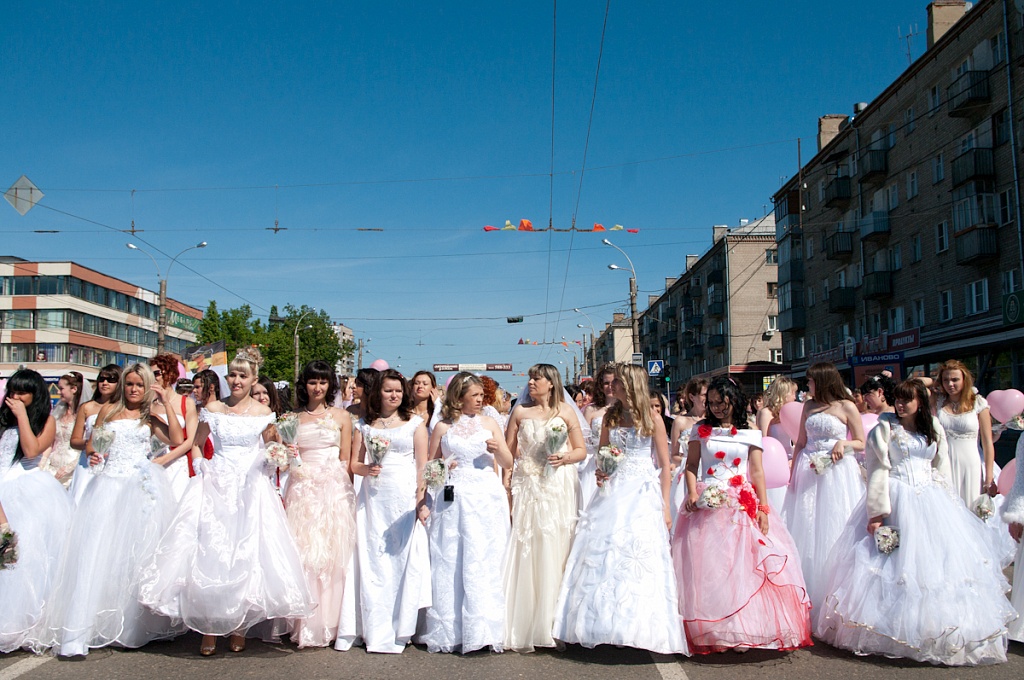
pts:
[57, 317]
[719, 317]
[346, 339]
[613, 345]
[900, 238]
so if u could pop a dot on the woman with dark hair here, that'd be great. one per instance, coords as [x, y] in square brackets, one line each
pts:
[117, 527]
[939, 596]
[320, 502]
[61, 460]
[265, 392]
[740, 585]
[176, 460]
[207, 391]
[879, 395]
[604, 398]
[362, 386]
[424, 394]
[825, 484]
[37, 509]
[693, 395]
[107, 382]
[391, 545]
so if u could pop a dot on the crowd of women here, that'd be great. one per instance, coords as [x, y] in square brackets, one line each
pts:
[134, 512]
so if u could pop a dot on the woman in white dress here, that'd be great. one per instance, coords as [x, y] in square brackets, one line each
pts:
[604, 398]
[116, 529]
[825, 485]
[175, 460]
[1013, 515]
[545, 491]
[781, 392]
[392, 555]
[228, 561]
[939, 596]
[694, 394]
[968, 424]
[107, 382]
[468, 525]
[619, 586]
[36, 507]
[61, 459]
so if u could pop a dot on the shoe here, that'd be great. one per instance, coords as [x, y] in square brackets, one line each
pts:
[741, 649]
[236, 643]
[208, 647]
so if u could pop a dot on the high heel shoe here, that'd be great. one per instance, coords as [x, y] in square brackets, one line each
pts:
[208, 647]
[236, 643]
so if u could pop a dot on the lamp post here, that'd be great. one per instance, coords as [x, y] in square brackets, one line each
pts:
[589, 359]
[632, 294]
[295, 338]
[161, 328]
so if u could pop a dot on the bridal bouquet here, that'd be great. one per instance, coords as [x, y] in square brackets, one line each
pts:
[608, 459]
[557, 435]
[102, 440]
[8, 547]
[983, 507]
[278, 455]
[156, 447]
[821, 462]
[435, 473]
[377, 447]
[712, 497]
[288, 427]
[887, 539]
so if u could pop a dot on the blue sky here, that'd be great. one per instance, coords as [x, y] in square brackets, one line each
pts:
[429, 121]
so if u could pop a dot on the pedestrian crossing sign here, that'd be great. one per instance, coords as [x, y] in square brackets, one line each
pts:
[655, 367]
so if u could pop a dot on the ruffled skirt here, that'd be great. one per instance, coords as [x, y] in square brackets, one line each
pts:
[940, 597]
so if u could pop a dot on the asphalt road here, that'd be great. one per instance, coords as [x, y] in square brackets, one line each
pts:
[179, 660]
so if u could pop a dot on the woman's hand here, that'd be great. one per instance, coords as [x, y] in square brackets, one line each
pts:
[990, 487]
[492, 445]
[422, 513]
[1016, 531]
[373, 470]
[293, 450]
[691, 501]
[873, 524]
[558, 460]
[17, 407]
[601, 477]
[762, 522]
[838, 450]
[95, 458]
[667, 516]
[159, 393]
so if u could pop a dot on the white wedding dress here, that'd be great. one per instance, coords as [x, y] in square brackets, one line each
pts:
[82, 476]
[468, 537]
[38, 510]
[619, 586]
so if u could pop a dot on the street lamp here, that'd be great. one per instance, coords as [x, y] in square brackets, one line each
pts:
[632, 293]
[295, 338]
[593, 337]
[161, 328]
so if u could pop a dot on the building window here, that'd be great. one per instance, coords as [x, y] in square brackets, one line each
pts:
[773, 322]
[908, 120]
[896, 258]
[917, 312]
[915, 248]
[934, 100]
[976, 296]
[826, 340]
[801, 347]
[1011, 281]
[1001, 127]
[875, 324]
[771, 256]
[773, 289]
[892, 135]
[998, 45]
[824, 289]
[942, 237]
[893, 194]
[810, 297]
[896, 319]
[775, 356]
[1006, 207]
[911, 184]
[821, 191]
[809, 242]
[938, 168]
[945, 305]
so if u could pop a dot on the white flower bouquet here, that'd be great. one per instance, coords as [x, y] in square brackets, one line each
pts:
[102, 439]
[821, 462]
[983, 507]
[377, 447]
[608, 459]
[887, 539]
[156, 447]
[556, 437]
[435, 473]
[8, 547]
[288, 427]
[278, 455]
[712, 497]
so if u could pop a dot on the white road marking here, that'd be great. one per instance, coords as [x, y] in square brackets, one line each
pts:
[666, 664]
[19, 668]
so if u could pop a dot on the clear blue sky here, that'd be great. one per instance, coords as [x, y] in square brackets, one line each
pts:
[429, 121]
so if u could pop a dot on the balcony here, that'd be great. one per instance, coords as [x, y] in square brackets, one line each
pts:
[696, 291]
[667, 337]
[875, 226]
[878, 285]
[716, 309]
[793, 270]
[694, 352]
[842, 300]
[973, 164]
[695, 321]
[794, 319]
[716, 341]
[715, 276]
[968, 94]
[874, 165]
[839, 245]
[837, 193]
[977, 245]
[788, 226]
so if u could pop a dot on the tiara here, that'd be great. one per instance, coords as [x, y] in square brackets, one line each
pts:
[250, 354]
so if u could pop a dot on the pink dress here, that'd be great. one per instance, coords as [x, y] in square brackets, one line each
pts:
[321, 508]
[737, 586]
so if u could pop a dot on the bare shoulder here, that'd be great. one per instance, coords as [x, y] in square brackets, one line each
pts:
[216, 407]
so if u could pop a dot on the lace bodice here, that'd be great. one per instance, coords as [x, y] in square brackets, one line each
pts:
[466, 443]
[130, 448]
[8, 447]
[236, 438]
[637, 461]
[532, 441]
[911, 455]
[319, 440]
[724, 455]
[823, 431]
[962, 425]
[401, 451]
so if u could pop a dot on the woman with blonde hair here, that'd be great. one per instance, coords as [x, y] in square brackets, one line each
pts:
[968, 423]
[546, 439]
[619, 586]
[768, 421]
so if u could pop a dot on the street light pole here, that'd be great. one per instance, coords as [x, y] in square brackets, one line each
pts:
[295, 338]
[592, 367]
[161, 327]
[632, 294]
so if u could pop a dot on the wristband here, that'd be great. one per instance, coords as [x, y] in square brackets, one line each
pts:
[764, 508]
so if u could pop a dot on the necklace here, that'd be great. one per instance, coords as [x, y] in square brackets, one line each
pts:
[386, 422]
[316, 411]
[231, 409]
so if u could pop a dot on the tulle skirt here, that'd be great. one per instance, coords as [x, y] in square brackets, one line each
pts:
[587, 469]
[227, 561]
[177, 476]
[80, 478]
[737, 586]
[321, 509]
[39, 512]
[1016, 627]
[940, 597]
[816, 510]
[619, 586]
[544, 513]
[114, 535]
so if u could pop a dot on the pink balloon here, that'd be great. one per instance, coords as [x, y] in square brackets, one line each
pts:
[181, 370]
[1007, 477]
[790, 417]
[1004, 405]
[775, 463]
[380, 365]
[869, 420]
[449, 381]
